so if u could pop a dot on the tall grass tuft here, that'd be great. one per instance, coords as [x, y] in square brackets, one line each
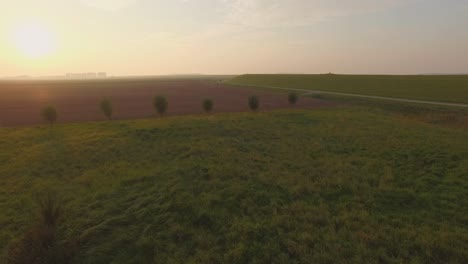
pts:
[50, 208]
[41, 244]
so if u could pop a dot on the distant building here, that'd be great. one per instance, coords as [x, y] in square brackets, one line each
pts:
[86, 75]
[91, 75]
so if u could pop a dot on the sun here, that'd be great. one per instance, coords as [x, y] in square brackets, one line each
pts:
[34, 40]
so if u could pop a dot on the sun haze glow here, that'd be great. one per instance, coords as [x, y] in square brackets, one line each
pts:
[144, 37]
[34, 40]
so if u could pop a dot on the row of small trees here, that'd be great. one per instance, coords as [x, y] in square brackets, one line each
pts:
[160, 103]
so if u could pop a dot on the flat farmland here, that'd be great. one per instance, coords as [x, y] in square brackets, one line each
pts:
[78, 101]
[440, 88]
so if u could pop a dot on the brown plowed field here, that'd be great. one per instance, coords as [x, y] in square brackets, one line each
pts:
[78, 101]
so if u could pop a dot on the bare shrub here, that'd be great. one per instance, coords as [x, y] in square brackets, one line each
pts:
[106, 108]
[207, 105]
[49, 114]
[254, 103]
[292, 98]
[160, 104]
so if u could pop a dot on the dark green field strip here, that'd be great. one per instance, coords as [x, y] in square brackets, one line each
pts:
[418, 87]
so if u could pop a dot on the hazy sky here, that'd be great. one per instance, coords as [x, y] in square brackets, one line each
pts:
[135, 37]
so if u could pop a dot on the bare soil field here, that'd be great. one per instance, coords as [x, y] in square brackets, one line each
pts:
[78, 101]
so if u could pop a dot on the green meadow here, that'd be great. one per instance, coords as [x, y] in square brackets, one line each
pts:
[340, 185]
[444, 88]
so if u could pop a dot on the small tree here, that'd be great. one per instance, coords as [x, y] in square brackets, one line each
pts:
[292, 98]
[254, 103]
[160, 104]
[207, 105]
[49, 114]
[106, 108]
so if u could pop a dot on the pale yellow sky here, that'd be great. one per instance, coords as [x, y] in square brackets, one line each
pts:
[141, 37]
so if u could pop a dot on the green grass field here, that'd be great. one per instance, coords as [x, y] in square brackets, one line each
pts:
[442, 88]
[342, 185]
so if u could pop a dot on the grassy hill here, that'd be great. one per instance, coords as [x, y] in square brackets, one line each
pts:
[443, 88]
[341, 185]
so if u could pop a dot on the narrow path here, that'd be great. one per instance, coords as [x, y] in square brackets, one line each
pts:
[307, 92]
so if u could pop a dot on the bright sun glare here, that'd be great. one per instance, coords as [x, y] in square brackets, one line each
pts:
[34, 40]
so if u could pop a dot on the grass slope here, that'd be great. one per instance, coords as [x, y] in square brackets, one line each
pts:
[423, 87]
[328, 186]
